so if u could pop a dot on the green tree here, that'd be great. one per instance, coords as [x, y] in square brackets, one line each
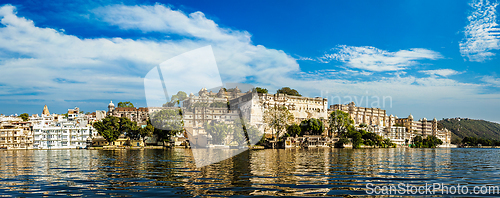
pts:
[254, 134]
[341, 142]
[288, 91]
[109, 128]
[125, 104]
[260, 90]
[339, 122]
[312, 126]
[417, 141]
[432, 142]
[388, 143]
[176, 99]
[370, 139]
[167, 123]
[25, 116]
[181, 96]
[147, 131]
[218, 131]
[240, 132]
[277, 118]
[244, 133]
[356, 138]
[293, 130]
[130, 128]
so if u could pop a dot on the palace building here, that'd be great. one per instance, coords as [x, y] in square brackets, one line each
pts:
[424, 128]
[369, 116]
[379, 122]
[139, 115]
[254, 105]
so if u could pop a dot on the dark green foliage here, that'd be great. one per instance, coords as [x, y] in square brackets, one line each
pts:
[254, 135]
[125, 104]
[245, 133]
[356, 138]
[240, 132]
[278, 118]
[312, 126]
[471, 128]
[288, 91]
[130, 128]
[109, 128]
[341, 142]
[25, 116]
[218, 131]
[339, 122]
[361, 137]
[167, 123]
[429, 142]
[260, 90]
[176, 99]
[293, 130]
[262, 141]
[181, 96]
[473, 141]
[370, 139]
[147, 131]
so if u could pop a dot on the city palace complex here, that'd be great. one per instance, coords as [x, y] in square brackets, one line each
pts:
[74, 130]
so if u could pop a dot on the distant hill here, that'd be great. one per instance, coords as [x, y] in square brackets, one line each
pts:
[471, 128]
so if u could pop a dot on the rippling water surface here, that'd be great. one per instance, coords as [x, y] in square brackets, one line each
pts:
[288, 172]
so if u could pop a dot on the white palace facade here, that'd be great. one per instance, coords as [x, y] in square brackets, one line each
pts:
[56, 132]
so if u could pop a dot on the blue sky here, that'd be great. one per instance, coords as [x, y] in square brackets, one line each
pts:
[434, 59]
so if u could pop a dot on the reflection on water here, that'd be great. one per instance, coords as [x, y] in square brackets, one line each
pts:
[289, 172]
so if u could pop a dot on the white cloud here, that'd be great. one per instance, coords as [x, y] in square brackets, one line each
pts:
[160, 18]
[64, 67]
[374, 59]
[482, 33]
[491, 80]
[305, 58]
[46, 64]
[441, 72]
[236, 56]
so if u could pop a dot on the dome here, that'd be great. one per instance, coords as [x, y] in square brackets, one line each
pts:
[410, 117]
[111, 104]
[425, 119]
[434, 120]
[237, 90]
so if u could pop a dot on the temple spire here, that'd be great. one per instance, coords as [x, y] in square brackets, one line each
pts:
[45, 111]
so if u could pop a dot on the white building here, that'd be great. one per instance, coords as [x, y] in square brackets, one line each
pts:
[56, 132]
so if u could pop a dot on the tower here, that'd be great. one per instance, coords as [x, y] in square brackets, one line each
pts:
[45, 111]
[111, 107]
[434, 126]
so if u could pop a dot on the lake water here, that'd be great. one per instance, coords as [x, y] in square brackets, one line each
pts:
[287, 172]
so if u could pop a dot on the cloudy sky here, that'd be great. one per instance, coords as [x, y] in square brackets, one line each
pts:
[431, 59]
